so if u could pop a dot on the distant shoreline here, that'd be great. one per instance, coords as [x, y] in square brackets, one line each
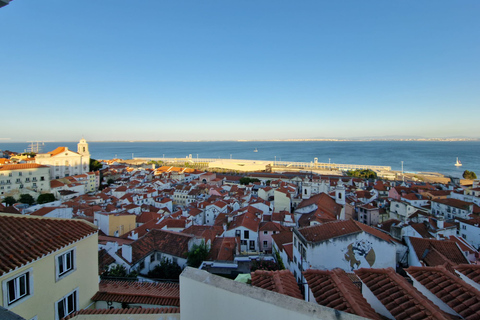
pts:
[275, 140]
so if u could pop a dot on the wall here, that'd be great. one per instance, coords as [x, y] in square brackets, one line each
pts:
[206, 296]
[47, 291]
[341, 253]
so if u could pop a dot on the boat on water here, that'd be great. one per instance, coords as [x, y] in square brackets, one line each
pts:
[458, 163]
[256, 150]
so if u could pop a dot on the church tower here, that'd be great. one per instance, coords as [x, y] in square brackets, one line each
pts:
[340, 193]
[82, 149]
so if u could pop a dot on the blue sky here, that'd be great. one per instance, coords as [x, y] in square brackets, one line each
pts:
[222, 70]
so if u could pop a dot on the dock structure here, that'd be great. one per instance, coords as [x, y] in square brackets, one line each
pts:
[257, 164]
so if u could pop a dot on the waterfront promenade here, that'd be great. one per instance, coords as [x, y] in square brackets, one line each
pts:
[259, 165]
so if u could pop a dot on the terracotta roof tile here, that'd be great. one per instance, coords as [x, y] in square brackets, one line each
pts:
[223, 249]
[124, 311]
[329, 230]
[472, 271]
[174, 243]
[449, 288]
[162, 294]
[281, 281]
[334, 289]
[21, 166]
[399, 297]
[448, 249]
[26, 239]
[282, 238]
[247, 220]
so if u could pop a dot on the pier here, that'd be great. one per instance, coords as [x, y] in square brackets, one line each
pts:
[253, 165]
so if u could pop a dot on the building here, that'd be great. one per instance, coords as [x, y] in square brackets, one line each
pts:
[344, 244]
[115, 224]
[28, 178]
[64, 162]
[48, 266]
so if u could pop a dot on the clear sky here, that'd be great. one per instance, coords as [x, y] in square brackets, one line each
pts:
[238, 69]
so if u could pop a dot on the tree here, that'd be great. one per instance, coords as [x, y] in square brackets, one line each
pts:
[27, 199]
[167, 269]
[197, 255]
[365, 174]
[95, 165]
[469, 175]
[9, 201]
[45, 197]
[262, 264]
[247, 180]
[119, 271]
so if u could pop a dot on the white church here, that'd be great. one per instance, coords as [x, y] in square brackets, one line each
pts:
[64, 162]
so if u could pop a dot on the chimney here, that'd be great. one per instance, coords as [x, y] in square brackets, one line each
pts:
[440, 224]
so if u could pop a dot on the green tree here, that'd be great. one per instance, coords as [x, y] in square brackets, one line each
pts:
[167, 269]
[469, 175]
[27, 199]
[247, 180]
[95, 165]
[45, 197]
[119, 271]
[262, 264]
[364, 174]
[9, 201]
[197, 255]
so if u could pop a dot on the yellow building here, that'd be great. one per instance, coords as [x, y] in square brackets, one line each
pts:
[115, 224]
[48, 266]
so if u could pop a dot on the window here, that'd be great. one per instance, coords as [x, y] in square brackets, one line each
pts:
[265, 243]
[265, 232]
[67, 305]
[65, 263]
[17, 288]
[246, 234]
[237, 233]
[19, 174]
[464, 227]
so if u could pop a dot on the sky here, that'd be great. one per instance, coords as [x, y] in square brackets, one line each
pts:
[238, 69]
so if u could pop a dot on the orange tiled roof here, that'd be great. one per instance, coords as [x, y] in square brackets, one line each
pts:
[448, 249]
[247, 220]
[472, 271]
[21, 166]
[461, 297]
[223, 249]
[281, 281]
[334, 289]
[26, 239]
[329, 230]
[170, 242]
[400, 298]
[162, 294]
[123, 311]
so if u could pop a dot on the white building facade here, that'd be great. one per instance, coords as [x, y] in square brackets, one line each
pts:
[64, 162]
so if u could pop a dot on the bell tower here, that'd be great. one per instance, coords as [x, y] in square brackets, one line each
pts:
[82, 148]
